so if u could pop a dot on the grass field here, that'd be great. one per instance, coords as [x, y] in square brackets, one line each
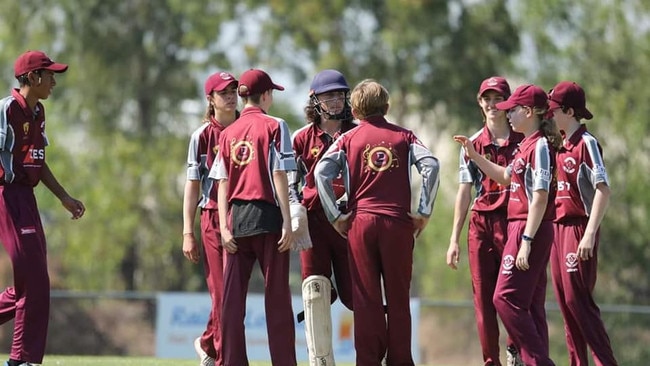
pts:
[129, 361]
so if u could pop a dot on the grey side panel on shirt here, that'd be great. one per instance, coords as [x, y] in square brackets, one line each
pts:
[7, 139]
[327, 169]
[429, 168]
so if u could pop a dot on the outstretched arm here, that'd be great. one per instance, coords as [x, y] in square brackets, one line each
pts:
[494, 171]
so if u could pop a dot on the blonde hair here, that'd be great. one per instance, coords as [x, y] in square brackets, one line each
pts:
[548, 127]
[369, 98]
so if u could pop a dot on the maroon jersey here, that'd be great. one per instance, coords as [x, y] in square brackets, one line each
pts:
[250, 150]
[532, 169]
[309, 144]
[580, 169]
[22, 140]
[201, 153]
[375, 161]
[490, 195]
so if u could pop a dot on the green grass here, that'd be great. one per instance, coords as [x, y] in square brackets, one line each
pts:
[129, 361]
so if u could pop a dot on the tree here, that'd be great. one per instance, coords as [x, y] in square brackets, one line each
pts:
[132, 65]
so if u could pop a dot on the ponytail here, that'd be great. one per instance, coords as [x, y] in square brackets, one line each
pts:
[209, 112]
[548, 127]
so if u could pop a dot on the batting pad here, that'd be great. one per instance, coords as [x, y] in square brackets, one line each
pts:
[316, 295]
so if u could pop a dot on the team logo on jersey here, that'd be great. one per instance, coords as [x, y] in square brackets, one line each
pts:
[518, 166]
[215, 149]
[488, 156]
[571, 262]
[314, 151]
[26, 128]
[508, 264]
[569, 165]
[380, 158]
[242, 152]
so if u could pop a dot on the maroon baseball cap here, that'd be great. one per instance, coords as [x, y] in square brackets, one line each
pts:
[218, 82]
[255, 81]
[569, 94]
[526, 95]
[36, 60]
[496, 83]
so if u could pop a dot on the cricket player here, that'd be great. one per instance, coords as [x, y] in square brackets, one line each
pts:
[520, 291]
[582, 197]
[221, 94]
[254, 157]
[375, 162]
[23, 166]
[488, 222]
[329, 115]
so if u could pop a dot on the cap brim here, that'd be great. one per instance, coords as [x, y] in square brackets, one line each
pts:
[225, 86]
[482, 91]
[504, 106]
[553, 104]
[56, 67]
[278, 87]
[588, 114]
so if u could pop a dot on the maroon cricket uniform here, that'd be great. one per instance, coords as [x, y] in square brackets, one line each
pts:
[329, 249]
[580, 170]
[375, 160]
[486, 235]
[250, 150]
[202, 150]
[22, 154]
[519, 296]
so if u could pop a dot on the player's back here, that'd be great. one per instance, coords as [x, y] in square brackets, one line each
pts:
[379, 159]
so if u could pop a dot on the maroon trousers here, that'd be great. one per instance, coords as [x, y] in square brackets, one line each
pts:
[213, 265]
[329, 250]
[28, 302]
[573, 282]
[519, 296]
[277, 300]
[486, 239]
[381, 247]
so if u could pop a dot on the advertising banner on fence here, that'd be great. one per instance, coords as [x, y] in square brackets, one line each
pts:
[181, 317]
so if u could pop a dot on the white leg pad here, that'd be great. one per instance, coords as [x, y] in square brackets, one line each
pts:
[316, 296]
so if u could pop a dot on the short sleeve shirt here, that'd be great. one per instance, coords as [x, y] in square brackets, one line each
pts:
[580, 169]
[532, 169]
[250, 150]
[309, 144]
[203, 147]
[490, 195]
[22, 141]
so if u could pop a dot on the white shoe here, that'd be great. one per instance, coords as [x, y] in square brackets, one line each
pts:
[513, 358]
[205, 359]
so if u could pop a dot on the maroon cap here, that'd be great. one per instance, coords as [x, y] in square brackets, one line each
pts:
[569, 94]
[36, 60]
[526, 95]
[496, 83]
[218, 82]
[255, 81]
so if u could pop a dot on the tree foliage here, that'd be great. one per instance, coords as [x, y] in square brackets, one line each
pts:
[416, 48]
[605, 47]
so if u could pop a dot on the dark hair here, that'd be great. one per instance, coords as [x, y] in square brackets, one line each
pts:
[209, 112]
[313, 110]
[23, 80]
